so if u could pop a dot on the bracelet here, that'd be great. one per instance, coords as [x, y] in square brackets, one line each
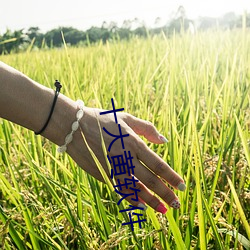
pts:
[58, 87]
[74, 127]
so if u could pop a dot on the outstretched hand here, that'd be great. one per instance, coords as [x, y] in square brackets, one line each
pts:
[149, 169]
[21, 97]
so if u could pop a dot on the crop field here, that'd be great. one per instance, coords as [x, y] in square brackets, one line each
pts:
[196, 91]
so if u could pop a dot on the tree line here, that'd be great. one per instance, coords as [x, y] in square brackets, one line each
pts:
[20, 40]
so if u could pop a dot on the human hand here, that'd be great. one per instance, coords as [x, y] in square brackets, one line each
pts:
[149, 168]
[21, 98]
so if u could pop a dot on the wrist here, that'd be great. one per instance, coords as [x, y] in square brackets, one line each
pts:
[61, 120]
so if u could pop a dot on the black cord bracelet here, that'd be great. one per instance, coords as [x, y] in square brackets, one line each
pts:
[58, 87]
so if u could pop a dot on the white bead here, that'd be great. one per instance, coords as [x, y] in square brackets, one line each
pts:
[69, 138]
[75, 126]
[62, 149]
[79, 114]
[80, 104]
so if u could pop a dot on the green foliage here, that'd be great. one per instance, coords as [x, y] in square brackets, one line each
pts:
[71, 35]
[195, 89]
[13, 41]
[32, 39]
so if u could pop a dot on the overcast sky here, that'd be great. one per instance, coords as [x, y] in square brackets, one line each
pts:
[81, 14]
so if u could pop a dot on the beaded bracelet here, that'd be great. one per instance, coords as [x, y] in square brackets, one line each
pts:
[74, 127]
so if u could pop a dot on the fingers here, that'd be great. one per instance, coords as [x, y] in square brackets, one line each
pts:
[154, 183]
[160, 167]
[139, 195]
[148, 157]
[147, 180]
[145, 128]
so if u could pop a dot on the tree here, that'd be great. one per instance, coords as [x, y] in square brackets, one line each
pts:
[127, 24]
[113, 27]
[229, 20]
[180, 22]
[71, 35]
[157, 22]
[13, 41]
[34, 33]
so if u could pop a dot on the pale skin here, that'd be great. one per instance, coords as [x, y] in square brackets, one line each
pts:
[28, 103]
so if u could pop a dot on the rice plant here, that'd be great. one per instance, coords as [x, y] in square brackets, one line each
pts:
[194, 88]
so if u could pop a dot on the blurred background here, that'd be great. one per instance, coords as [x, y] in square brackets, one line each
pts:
[22, 22]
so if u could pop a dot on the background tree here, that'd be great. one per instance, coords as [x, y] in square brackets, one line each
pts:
[13, 41]
[19, 40]
[34, 33]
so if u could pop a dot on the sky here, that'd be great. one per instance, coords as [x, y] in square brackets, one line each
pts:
[81, 14]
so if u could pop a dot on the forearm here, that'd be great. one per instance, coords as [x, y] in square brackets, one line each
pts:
[27, 103]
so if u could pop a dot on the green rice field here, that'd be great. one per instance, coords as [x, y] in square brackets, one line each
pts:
[196, 91]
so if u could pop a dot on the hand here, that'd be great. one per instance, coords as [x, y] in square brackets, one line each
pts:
[149, 167]
[21, 98]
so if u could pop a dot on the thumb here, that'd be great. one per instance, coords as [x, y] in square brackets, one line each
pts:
[145, 128]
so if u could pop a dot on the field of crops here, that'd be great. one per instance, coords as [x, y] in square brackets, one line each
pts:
[196, 91]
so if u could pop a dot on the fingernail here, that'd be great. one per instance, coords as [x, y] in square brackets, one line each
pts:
[163, 138]
[142, 206]
[175, 204]
[181, 186]
[161, 208]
